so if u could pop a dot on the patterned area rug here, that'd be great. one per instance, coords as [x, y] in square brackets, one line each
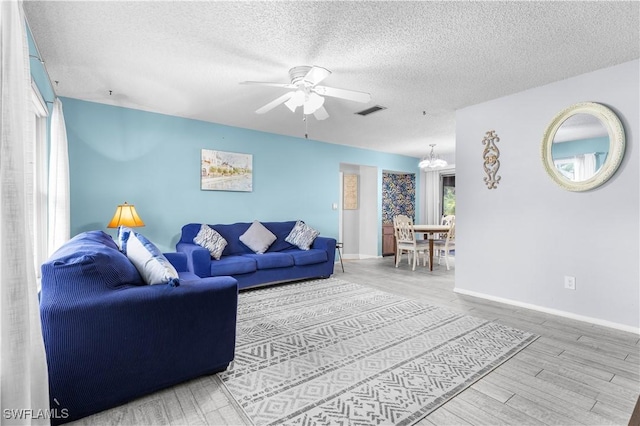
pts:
[334, 352]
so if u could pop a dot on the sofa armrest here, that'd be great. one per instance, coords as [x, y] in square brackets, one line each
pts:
[198, 258]
[178, 260]
[136, 340]
[327, 244]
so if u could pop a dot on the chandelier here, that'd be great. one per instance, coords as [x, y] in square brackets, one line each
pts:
[432, 161]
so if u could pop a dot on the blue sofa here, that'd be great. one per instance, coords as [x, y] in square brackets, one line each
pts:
[280, 263]
[110, 338]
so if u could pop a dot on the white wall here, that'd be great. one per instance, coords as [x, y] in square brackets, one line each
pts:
[517, 242]
[370, 206]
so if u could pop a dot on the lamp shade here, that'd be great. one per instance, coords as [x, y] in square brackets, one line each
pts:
[312, 104]
[126, 215]
[296, 100]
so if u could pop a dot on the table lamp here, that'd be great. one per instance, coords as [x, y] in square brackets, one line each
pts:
[126, 215]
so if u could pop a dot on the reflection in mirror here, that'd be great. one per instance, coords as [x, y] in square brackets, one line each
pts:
[580, 147]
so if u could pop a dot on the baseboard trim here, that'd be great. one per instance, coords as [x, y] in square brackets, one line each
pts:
[359, 256]
[551, 311]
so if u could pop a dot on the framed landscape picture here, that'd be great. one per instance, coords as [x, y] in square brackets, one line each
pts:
[226, 171]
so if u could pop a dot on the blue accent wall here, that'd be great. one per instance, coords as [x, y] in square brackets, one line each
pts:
[153, 161]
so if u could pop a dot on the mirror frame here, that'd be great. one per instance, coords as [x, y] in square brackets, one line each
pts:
[616, 145]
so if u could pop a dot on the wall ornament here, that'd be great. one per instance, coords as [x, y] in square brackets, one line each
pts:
[491, 155]
[350, 192]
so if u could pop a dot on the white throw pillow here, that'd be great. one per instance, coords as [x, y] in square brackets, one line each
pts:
[123, 236]
[211, 240]
[149, 261]
[257, 237]
[302, 235]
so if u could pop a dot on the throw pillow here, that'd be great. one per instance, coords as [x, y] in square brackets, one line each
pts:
[123, 236]
[257, 237]
[302, 235]
[211, 240]
[150, 262]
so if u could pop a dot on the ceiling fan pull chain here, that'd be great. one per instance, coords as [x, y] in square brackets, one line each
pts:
[306, 126]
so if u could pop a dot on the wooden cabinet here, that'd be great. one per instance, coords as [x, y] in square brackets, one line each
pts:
[388, 241]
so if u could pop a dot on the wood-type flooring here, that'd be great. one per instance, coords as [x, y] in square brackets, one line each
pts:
[576, 373]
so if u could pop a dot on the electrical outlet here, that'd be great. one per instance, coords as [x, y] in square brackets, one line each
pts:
[570, 282]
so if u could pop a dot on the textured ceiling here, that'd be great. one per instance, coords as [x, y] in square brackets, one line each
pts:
[188, 58]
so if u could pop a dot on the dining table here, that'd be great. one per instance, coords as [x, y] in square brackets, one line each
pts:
[428, 230]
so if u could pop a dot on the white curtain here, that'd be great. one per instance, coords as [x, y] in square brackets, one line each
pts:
[585, 166]
[23, 372]
[432, 197]
[59, 217]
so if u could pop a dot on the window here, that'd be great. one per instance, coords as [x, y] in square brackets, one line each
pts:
[36, 158]
[448, 196]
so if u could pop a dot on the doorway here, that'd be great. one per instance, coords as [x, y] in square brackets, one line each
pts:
[359, 221]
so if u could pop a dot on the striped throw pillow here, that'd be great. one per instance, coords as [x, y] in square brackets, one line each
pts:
[211, 240]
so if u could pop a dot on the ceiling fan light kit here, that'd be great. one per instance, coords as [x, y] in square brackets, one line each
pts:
[307, 93]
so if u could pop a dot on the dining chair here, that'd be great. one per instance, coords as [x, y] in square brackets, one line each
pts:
[445, 220]
[406, 241]
[448, 243]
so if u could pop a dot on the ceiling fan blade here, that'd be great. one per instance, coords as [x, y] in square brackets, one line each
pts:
[321, 114]
[271, 105]
[351, 95]
[264, 83]
[316, 75]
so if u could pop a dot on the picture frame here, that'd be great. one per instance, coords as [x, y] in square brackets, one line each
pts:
[350, 192]
[226, 171]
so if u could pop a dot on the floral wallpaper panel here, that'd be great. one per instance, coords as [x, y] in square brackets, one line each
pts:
[398, 196]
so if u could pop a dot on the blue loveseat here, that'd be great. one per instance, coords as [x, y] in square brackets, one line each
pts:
[280, 263]
[110, 338]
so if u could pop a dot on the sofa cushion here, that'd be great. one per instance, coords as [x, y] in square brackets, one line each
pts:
[302, 235]
[211, 240]
[257, 237]
[232, 265]
[189, 232]
[280, 230]
[308, 257]
[272, 260]
[93, 251]
[149, 261]
[232, 232]
[188, 276]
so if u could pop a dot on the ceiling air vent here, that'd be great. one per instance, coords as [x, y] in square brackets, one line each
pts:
[371, 110]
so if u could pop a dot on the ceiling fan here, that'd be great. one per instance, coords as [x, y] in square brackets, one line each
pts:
[306, 92]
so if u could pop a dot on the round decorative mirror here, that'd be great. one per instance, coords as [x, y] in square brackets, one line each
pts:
[583, 146]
